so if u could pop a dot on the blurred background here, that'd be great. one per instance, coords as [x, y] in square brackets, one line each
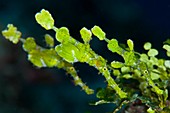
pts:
[27, 89]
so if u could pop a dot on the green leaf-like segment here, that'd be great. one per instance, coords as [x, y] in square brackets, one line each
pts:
[43, 58]
[45, 19]
[147, 46]
[86, 35]
[62, 35]
[29, 44]
[114, 46]
[67, 51]
[98, 32]
[152, 52]
[12, 34]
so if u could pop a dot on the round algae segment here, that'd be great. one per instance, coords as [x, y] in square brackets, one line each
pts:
[63, 35]
[152, 52]
[67, 51]
[113, 45]
[147, 46]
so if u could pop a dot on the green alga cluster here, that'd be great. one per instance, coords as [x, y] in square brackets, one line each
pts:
[142, 76]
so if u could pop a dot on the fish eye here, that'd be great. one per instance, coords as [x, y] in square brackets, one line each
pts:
[71, 68]
[145, 72]
[105, 68]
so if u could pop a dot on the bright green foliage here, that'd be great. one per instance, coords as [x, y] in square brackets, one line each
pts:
[45, 19]
[141, 76]
[128, 56]
[49, 40]
[97, 31]
[86, 35]
[12, 34]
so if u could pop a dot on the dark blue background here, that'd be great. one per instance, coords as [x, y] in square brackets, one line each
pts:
[26, 89]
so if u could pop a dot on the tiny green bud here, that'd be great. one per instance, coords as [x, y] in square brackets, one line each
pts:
[49, 40]
[45, 19]
[130, 44]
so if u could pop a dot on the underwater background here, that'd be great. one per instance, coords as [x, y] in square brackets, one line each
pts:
[27, 89]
